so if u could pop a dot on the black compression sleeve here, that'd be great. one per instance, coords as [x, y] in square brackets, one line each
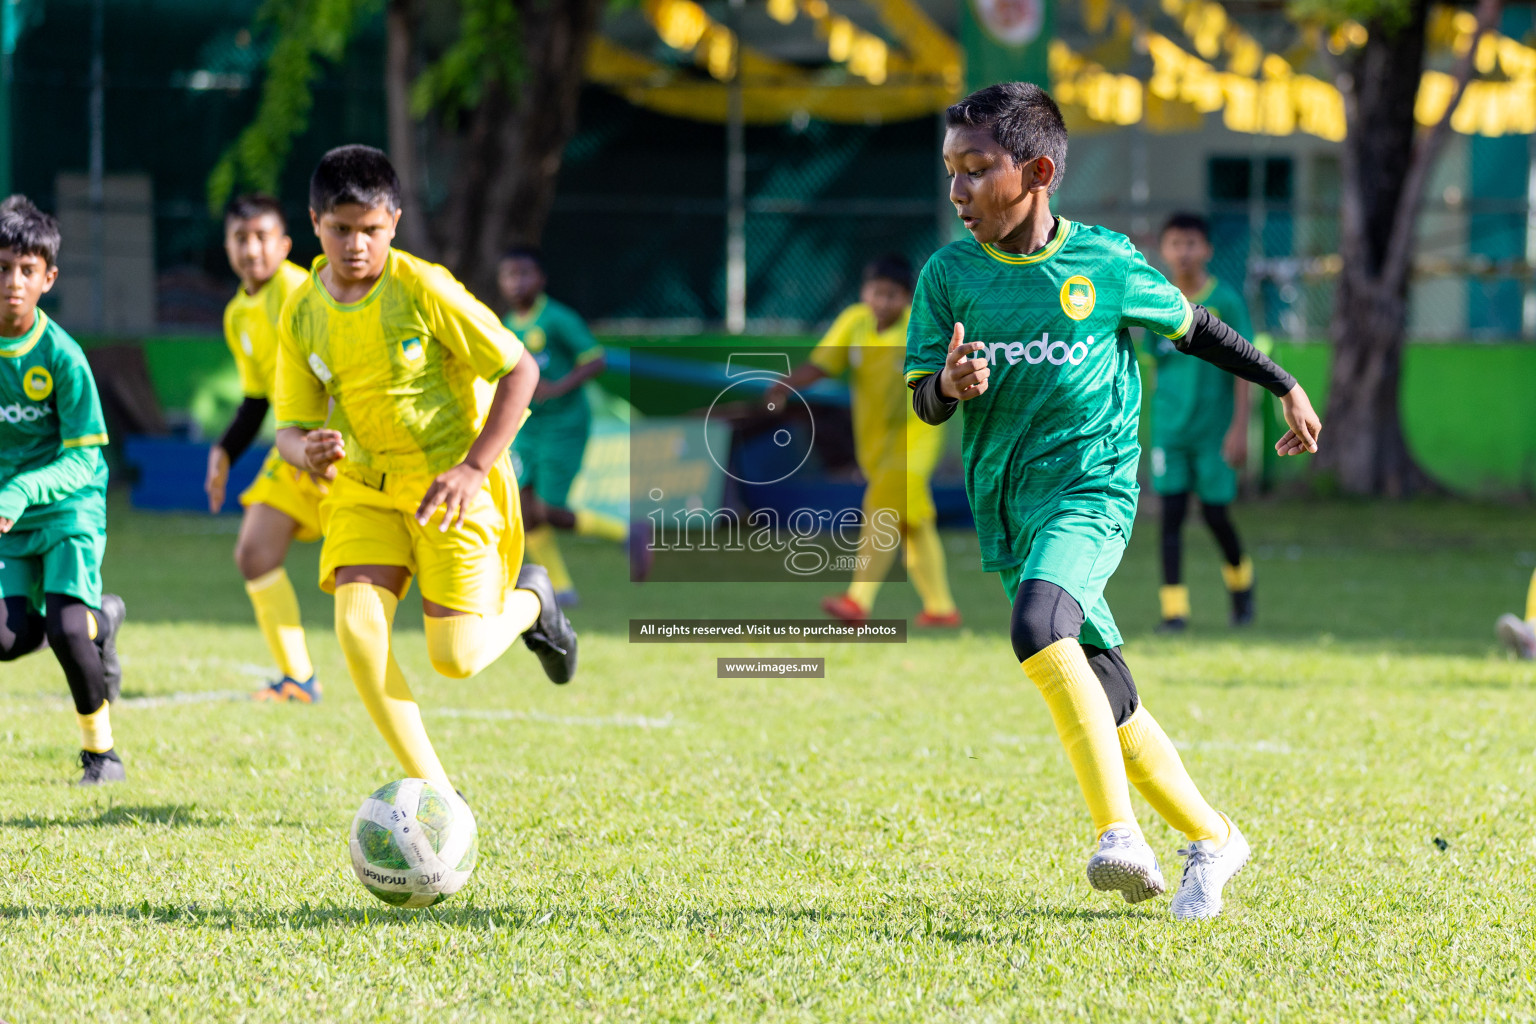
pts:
[930, 405]
[244, 427]
[1216, 343]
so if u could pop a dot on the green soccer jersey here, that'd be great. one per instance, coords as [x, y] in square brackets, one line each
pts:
[1056, 428]
[48, 405]
[559, 340]
[1192, 406]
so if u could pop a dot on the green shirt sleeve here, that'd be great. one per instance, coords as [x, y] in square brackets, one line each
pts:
[70, 472]
[577, 338]
[931, 324]
[75, 400]
[1150, 300]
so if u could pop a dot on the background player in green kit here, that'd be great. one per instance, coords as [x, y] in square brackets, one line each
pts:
[1199, 429]
[1027, 324]
[53, 491]
[549, 447]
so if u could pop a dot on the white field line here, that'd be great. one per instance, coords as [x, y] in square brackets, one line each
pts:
[508, 715]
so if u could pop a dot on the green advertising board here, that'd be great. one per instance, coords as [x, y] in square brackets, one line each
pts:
[1005, 40]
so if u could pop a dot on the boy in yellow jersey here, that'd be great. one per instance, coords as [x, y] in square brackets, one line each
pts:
[404, 389]
[896, 451]
[283, 504]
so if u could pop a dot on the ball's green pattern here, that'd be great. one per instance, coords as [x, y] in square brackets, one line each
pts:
[379, 847]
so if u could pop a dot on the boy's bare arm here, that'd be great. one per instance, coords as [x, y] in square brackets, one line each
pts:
[455, 489]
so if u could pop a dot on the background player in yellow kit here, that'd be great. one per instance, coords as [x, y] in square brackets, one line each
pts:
[428, 390]
[896, 451]
[283, 504]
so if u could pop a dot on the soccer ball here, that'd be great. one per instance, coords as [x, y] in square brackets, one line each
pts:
[412, 844]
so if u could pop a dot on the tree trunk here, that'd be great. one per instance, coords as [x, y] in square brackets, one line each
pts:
[512, 147]
[1364, 445]
[399, 58]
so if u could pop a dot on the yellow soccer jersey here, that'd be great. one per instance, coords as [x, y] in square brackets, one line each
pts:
[409, 366]
[882, 409]
[250, 329]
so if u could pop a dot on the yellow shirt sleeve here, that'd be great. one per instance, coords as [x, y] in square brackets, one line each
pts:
[301, 397]
[831, 352]
[464, 326]
[251, 384]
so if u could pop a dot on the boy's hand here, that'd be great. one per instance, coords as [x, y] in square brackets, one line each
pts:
[963, 378]
[322, 450]
[1303, 421]
[218, 477]
[455, 491]
[6, 524]
[1234, 447]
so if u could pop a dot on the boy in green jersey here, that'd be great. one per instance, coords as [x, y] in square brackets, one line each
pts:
[1199, 429]
[547, 451]
[53, 491]
[1052, 397]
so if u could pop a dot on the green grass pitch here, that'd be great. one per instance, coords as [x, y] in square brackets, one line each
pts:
[901, 841]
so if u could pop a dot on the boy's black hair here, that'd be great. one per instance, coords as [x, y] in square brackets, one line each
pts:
[1024, 120]
[354, 174]
[1185, 221]
[893, 267]
[532, 253]
[28, 231]
[254, 204]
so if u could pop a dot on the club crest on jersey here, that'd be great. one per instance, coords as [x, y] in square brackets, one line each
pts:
[534, 339]
[37, 382]
[1077, 297]
[245, 342]
[412, 349]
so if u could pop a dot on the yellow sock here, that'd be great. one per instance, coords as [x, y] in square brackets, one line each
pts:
[277, 613]
[925, 566]
[595, 524]
[1086, 727]
[1174, 600]
[1530, 600]
[461, 645]
[364, 615]
[877, 566]
[1239, 576]
[91, 628]
[544, 550]
[1153, 767]
[96, 729]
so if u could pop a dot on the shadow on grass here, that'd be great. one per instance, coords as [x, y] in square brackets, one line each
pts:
[176, 815]
[897, 925]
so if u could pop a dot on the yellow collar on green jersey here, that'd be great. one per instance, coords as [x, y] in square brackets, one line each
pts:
[1205, 290]
[13, 349]
[1063, 229]
[350, 307]
[520, 321]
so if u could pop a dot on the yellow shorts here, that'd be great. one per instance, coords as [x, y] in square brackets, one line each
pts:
[905, 483]
[469, 568]
[291, 491]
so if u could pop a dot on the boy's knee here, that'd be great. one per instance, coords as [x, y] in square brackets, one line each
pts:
[253, 560]
[1043, 613]
[448, 650]
[72, 627]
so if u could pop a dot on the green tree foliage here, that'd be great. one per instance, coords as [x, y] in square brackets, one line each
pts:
[487, 53]
[307, 33]
[1387, 14]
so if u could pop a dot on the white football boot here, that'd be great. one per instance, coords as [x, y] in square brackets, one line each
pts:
[1517, 635]
[1125, 862]
[1207, 868]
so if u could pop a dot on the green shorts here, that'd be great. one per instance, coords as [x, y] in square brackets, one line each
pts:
[1179, 470]
[1079, 552]
[51, 561]
[548, 462]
